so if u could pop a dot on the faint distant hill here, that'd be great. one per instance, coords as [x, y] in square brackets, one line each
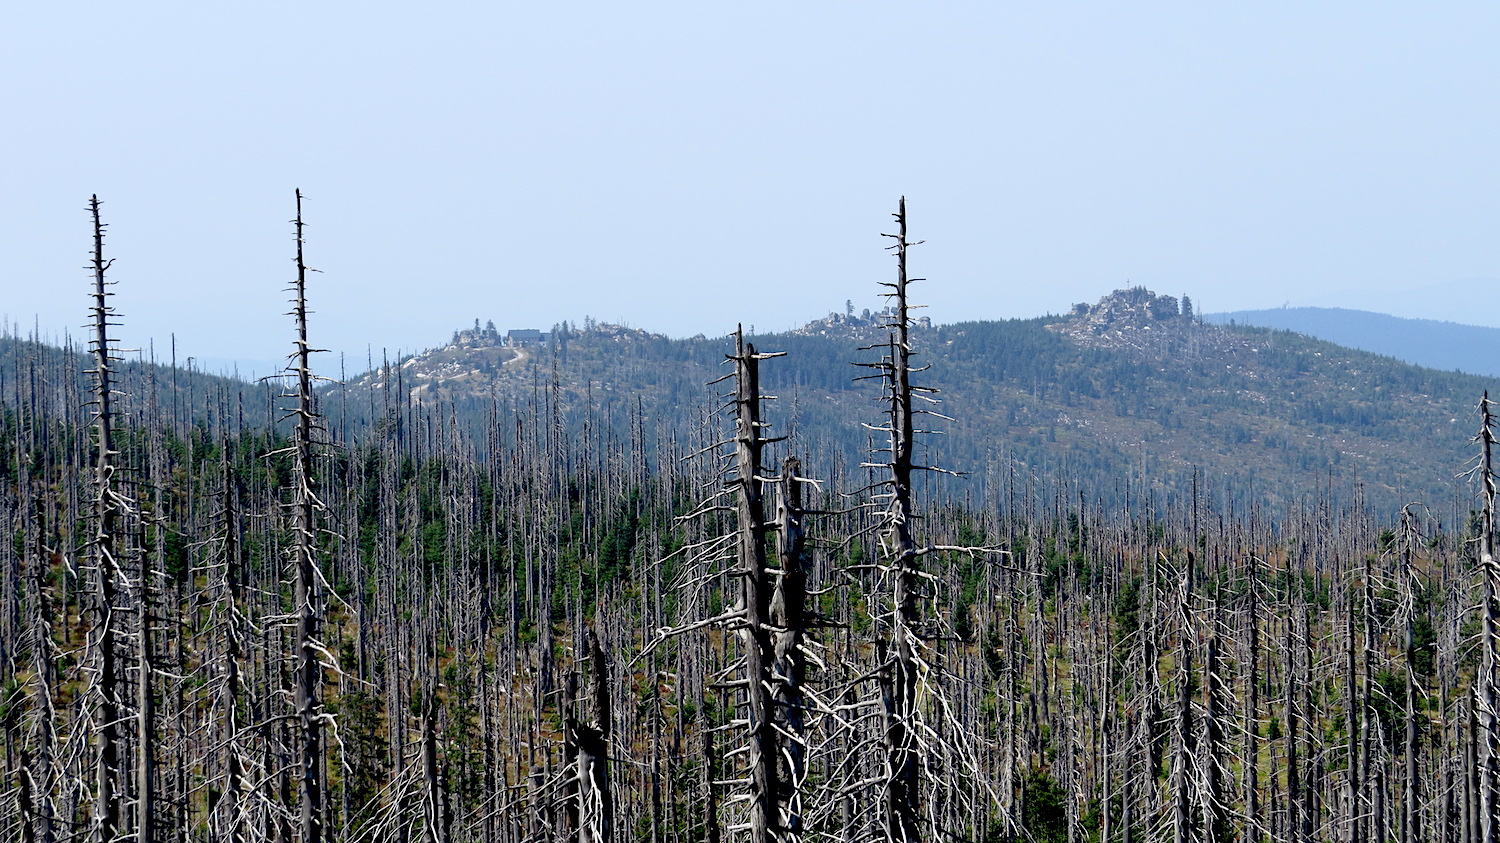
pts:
[1448, 346]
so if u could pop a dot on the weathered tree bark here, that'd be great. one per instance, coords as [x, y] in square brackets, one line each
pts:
[755, 600]
[1215, 805]
[1352, 716]
[1184, 828]
[1254, 824]
[595, 812]
[1410, 811]
[711, 830]
[1296, 824]
[39, 774]
[1473, 819]
[1487, 684]
[38, 767]
[899, 671]
[1373, 739]
[104, 560]
[146, 737]
[1314, 778]
[432, 793]
[757, 674]
[789, 619]
[571, 782]
[233, 586]
[304, 507]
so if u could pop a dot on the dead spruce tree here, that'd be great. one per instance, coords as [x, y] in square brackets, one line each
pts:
[1487, 682]
[1408, 537]
[753, 624]
[304, 508]
[227, 591]
[901, 661]
[1185, 785]
[105, 682]
[768, 618]
[790, 621]
[592, 813]
[923, 761]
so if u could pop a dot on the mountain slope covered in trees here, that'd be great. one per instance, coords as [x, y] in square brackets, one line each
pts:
[1257, 416]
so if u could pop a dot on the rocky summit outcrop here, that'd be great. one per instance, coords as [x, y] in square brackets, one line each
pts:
[1131, 307]
[851, 324]
[1147, 325]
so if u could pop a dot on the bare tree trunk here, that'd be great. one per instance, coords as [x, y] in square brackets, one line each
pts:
[1254, 822]
[711, 832]
[145, 704]
[1184, 828]
[1410, 811]
[789, 618]
[1296, 824]
[104, 560]
[755, 599]
[432, 795]
[305, 507]
[41, 775]
[1487, 685]
[145, 715]
[233, 600]
[1215, 810]
[595, 795]
[899, 667]
[1352, 715]
[1473, 820]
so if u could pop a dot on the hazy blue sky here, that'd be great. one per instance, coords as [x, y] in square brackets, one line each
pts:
[683, 166]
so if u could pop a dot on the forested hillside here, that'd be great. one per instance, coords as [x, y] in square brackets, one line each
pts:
[554, 593]
[1254, 417]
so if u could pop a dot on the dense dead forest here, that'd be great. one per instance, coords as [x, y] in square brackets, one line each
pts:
[218, 630]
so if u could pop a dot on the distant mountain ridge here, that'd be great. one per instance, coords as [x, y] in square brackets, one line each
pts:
[1448, 346]
[1131, 395]
[1124, 398]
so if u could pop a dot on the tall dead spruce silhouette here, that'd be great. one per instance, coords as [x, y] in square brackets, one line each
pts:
[769, 618]
[927, 769]
[1486, 697]
[105, 561]
[304, 509]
